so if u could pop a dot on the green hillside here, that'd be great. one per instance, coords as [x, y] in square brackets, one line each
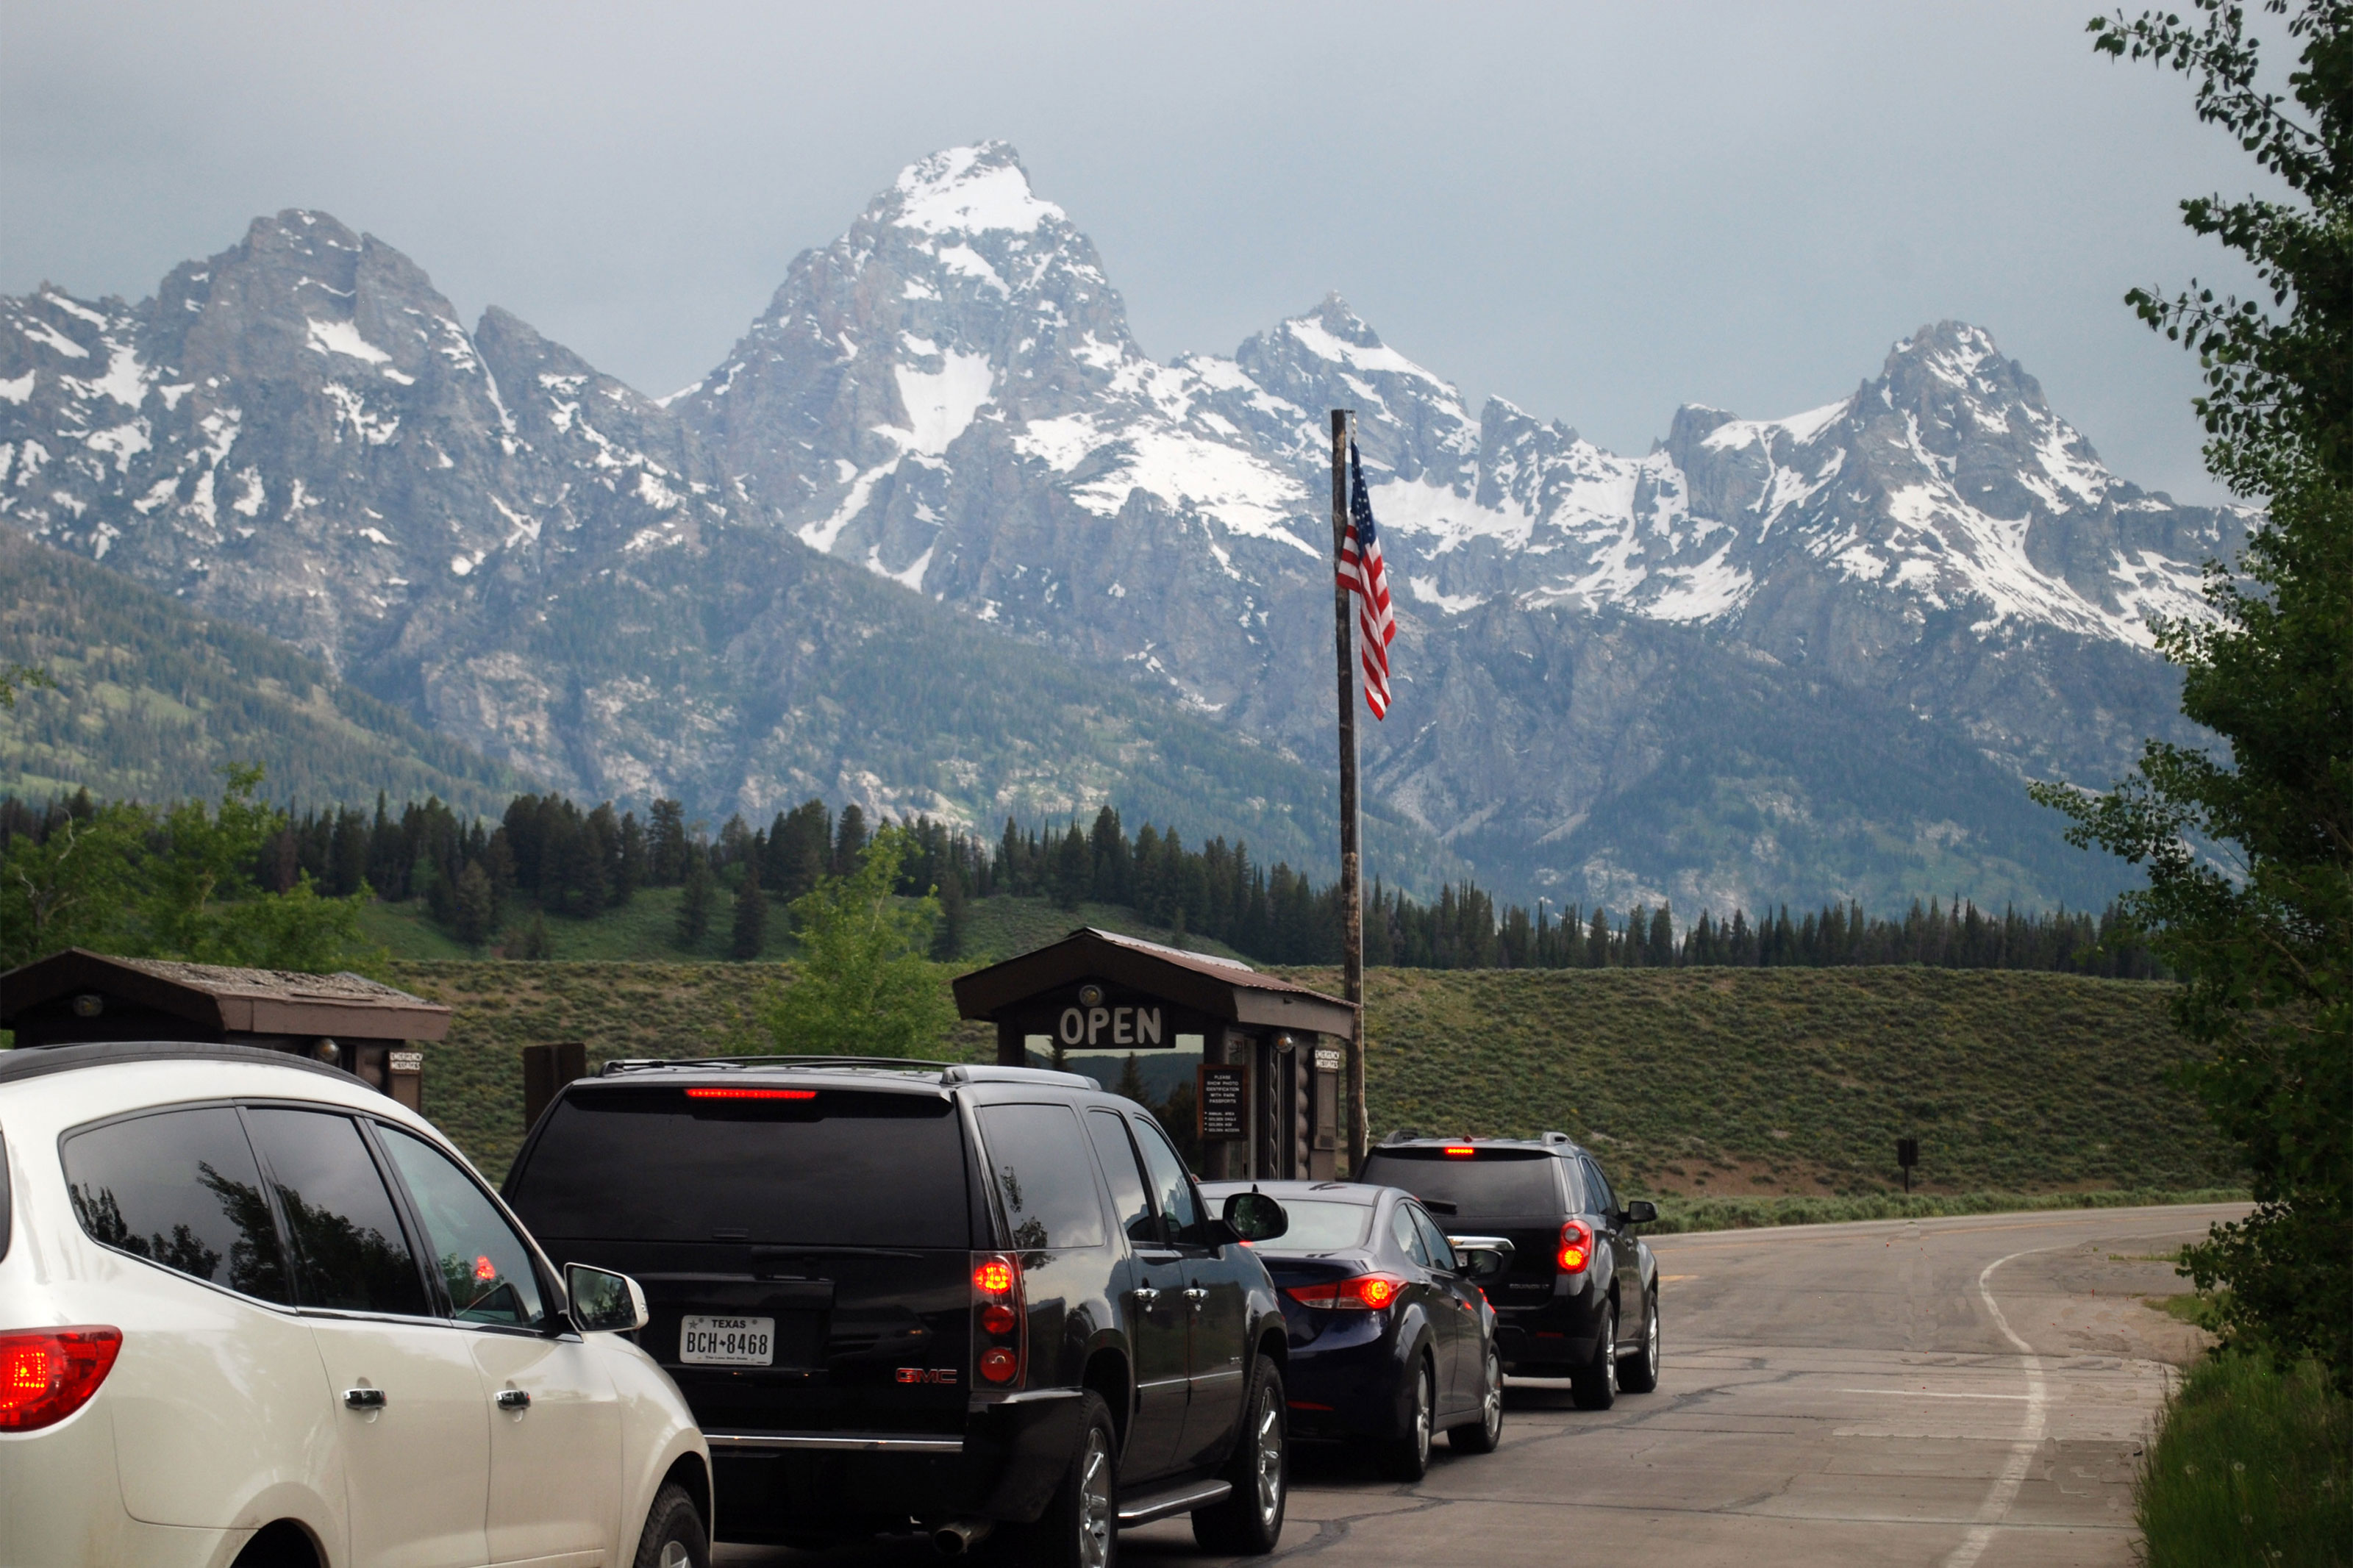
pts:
[151, 698]
[645, 930]
[1690, 1081]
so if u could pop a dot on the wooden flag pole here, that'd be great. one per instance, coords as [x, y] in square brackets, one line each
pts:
[1352, 905]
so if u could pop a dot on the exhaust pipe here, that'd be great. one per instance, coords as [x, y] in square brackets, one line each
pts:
[960, 1536]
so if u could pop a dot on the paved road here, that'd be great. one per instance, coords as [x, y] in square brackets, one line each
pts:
[1949, 1392]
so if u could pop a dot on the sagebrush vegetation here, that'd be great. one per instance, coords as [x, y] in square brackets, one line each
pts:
[1743, 1082]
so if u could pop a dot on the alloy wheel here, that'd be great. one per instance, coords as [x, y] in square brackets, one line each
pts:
[1609, 1350]
[1269, 1457]
[1491, 1406]
[1421, 1413]
[1095, 1523]
[1650, 1341]
[674, 1555]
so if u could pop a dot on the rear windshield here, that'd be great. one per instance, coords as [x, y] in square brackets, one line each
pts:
[1318, 1225]
[840, 1168]
[1494, 1182]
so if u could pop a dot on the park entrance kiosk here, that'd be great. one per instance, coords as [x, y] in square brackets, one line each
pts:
[371, 1031]
[1268, 1056]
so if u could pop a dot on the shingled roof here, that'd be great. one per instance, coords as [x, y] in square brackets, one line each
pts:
[1220, 987]
[228, 999]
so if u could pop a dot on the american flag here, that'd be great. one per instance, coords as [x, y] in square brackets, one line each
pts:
[1362, 575]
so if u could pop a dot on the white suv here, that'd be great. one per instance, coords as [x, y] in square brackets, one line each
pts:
[254, 1313]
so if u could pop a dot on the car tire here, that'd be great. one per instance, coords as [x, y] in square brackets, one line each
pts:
[1481, 1436]
[673, 1535]
[1594, 1384]
[1249, 1523]
[1080, 1528]
[1406, 1458]
[1641, 1373]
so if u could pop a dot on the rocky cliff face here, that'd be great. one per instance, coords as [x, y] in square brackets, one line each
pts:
[1796, 659]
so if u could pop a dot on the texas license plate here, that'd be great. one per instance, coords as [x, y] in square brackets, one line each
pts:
[727, 1342]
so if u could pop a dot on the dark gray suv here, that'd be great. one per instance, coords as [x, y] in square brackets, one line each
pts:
[1581, 1300]
[980, 1300]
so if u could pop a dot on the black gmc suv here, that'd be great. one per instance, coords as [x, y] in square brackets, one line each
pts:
[1579, 1275]
[975, 1300]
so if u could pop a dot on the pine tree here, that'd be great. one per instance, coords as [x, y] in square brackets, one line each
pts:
[850, 841]
[751, 930]
[947, 940]
[697, 893]
[1131, 1081]
[477, 910]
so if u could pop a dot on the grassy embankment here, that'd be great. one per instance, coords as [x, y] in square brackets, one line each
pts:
[1736, 1097]
[645, 928]
[2250, 1467]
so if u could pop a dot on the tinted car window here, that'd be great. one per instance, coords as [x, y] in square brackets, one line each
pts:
[1318, 1226]
[1433, 1240]
[845, 1167]
[1409, 1240]
[1131, 1208]
[349, 1250]
[180, 1189]
[1495, 1183]
[483, 1265]
[1042, 1174]
[1596, 1189]
[1170, 1187]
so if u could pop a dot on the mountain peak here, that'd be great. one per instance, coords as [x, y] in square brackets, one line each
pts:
[1952, 351]
[966, 190]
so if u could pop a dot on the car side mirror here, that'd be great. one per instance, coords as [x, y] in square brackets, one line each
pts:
[1483, 1258]
[1641, 1211]
[1254, 1216]
[603, 1301]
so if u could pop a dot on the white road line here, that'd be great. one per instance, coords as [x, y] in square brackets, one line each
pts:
[2029, 1438]
[1923, 1394]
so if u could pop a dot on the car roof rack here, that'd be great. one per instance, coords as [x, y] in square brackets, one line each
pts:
[622, 1065]
[898, 1066]
[39, 1061]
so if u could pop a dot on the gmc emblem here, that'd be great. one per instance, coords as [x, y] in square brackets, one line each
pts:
[927, 1375]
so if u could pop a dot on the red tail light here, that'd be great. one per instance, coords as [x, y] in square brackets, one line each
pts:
[1460, 1152]
[1000, 1338]
[1576, 1246]
[46, 1376]
[1363, 1293]
[731, 1092]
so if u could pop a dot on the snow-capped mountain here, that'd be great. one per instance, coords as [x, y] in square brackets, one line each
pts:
[948, 396]
[1798, 658]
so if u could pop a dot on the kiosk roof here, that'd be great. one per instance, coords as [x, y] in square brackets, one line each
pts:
[1220, 987]
[232, 1000]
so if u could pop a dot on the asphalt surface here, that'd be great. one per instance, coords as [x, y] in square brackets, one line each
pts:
[1957, 1393]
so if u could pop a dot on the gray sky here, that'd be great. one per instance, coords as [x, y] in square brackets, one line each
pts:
[1598, 212]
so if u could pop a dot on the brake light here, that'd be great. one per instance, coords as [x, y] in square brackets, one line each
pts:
[1000, 1342]
[46, 1376]
[1576, 1246]
[1362, 1293]
[1459, 1151]
[732, 1092]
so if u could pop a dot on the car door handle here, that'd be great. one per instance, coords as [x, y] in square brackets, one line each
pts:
[364, 1398]
[514, 1399]
[1144, 1295]
[1197, 1296]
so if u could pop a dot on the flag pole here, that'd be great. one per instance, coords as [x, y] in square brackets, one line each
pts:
[1352, 907]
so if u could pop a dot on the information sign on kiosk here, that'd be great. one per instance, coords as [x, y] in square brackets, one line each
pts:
[1257, 1051]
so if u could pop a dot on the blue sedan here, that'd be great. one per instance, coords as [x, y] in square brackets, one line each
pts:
[1391, 1338]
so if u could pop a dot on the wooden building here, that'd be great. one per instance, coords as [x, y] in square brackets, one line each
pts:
[1272, 1054]
[372, 1031]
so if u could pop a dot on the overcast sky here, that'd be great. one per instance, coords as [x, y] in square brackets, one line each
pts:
[1596, 211]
